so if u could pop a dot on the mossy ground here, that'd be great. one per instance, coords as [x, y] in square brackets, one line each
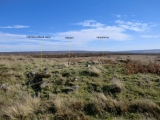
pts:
[105, 91]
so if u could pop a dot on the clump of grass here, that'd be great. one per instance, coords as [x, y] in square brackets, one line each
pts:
[95, 86]
[69, 109]
[66, 89]
[115, 86]
[66, 74]
[22, 108]
[118, 84]
[96, 105]
[144, 105]
[114, 106]
[100, 103]
[94, 72]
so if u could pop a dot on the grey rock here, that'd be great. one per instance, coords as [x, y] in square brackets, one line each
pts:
[75, 79]
[44, 84]
[31, 74]
[18, 85]
[44, 71]
[4, 87]
[75, 88]
[88, 65]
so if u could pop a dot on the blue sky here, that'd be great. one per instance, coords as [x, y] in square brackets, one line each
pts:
[129, 24]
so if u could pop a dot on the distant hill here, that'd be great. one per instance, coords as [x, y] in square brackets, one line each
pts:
[153, 51]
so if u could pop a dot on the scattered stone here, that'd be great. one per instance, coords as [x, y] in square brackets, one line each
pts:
[37, 82]
[44, 71]
[18, 86]
[4, 87]
[44, 84]
[75, 88]
[75, 79]
[31, 74]
[88, 65]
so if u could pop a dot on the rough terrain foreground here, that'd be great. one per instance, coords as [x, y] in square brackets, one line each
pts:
[114, 87]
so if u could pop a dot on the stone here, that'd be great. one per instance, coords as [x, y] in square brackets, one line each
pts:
[88, 65]
[18, 86]
[44, 71]
[44, 84]
[75, 88]
[75, 79]
[4, 87]
[31, 74]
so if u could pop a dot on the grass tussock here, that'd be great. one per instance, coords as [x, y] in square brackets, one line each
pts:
[95, 72]
[115, 86]
[22, 108]
[69, 109]
[101, 104]
[144, 106]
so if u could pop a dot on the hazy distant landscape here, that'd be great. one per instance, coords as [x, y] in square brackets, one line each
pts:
[154, 51]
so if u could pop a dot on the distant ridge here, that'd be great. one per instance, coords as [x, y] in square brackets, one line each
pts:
[152, 51]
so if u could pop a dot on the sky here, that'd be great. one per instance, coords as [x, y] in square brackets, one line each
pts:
[129, 24]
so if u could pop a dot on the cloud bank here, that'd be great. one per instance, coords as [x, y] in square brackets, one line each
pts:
[89, 32]
[15, 26]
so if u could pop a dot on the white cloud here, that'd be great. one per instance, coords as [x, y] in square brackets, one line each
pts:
[15, 26]
[7, 38]
[118, 16]
[86, 35]
[150, 36]
[81, 37]
[133, 25]
[90, 23]
[19, 42]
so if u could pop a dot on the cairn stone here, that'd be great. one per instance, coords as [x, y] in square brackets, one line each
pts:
[36, 82]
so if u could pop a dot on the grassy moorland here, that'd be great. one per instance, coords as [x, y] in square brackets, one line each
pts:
[86, 89]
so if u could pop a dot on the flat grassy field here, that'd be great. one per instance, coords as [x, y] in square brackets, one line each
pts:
[114, 87]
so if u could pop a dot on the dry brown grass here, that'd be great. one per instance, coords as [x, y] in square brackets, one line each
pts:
[95, 72]
[100, 103]
[118, 84]
[144, 106]
[23, 108]
[134, 67]
[69, 109]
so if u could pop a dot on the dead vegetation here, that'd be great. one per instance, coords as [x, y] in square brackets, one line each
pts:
[134, 67]
[22, 108]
